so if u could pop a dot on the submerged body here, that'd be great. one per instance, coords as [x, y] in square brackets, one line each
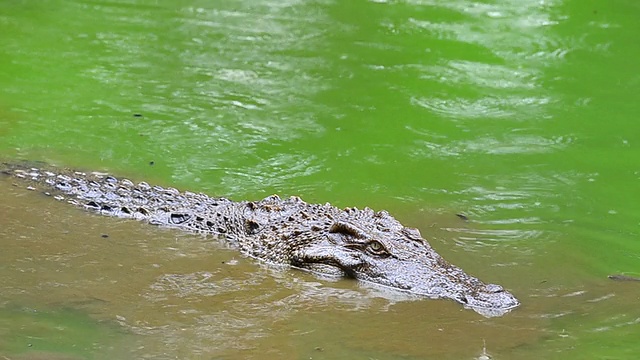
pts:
[361, 244]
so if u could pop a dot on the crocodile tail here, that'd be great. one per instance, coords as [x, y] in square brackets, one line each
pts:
[106, 194]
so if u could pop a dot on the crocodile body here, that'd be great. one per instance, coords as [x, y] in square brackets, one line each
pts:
[362, 244]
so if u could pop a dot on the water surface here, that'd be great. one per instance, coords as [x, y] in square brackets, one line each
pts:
[518, 114]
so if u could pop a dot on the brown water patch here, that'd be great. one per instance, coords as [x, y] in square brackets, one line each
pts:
[181, 295]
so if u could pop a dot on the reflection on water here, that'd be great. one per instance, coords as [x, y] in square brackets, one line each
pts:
[506, 75]
[239, 83]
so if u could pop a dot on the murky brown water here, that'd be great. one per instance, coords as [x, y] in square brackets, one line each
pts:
[179, 295]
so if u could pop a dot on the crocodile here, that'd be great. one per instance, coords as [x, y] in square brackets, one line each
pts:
[622, 277]
[370, 246]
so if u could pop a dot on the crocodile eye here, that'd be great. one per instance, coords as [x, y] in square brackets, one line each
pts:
[376, 247]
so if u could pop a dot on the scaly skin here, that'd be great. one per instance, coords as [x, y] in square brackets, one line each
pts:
[362, 244]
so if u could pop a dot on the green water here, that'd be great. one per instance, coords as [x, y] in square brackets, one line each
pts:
[53, 331]
[520, 114]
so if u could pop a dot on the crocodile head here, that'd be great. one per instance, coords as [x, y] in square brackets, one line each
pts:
[374, 247]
